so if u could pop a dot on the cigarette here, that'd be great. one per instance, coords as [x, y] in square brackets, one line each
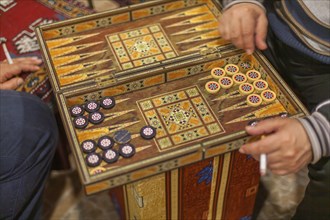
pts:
[263, 162]
[8, 57]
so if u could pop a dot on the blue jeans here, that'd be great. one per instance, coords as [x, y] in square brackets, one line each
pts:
[28, 138]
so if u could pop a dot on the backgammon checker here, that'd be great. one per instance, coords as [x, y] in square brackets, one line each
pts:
[105, 142]
[77, 110]
[88, 146]
[110, 156]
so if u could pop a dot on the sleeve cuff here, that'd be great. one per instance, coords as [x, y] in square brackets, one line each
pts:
[316, 147]
[259, 3]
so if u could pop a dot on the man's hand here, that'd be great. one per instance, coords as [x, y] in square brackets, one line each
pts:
[245, 25]
[9, 71]
[286, 145]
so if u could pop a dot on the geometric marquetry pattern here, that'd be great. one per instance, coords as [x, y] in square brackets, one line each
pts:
[180, 117]
[141, 46]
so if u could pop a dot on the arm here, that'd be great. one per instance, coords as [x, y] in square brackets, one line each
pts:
[8, 72]
[244, 23]
[291, 144]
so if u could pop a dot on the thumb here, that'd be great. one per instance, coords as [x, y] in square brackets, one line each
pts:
[11, 84]
[264, 127]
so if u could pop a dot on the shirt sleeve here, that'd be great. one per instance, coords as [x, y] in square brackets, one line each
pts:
[317, 126]
[228, 3]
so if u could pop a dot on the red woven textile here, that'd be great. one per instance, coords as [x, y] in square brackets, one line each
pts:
[17, 22]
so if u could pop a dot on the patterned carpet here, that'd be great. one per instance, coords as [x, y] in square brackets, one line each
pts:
[21, 38]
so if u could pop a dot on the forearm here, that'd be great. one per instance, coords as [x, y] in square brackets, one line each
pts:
[228, 3]
[317, 127]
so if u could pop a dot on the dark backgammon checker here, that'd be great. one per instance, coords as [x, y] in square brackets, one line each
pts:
[105, 142]
[93, 159]
[148, 132]
[96, 117]
[77, 110]
[92, 106]
[107, 102]
[110, 155]
[80, 122]
[88, 146]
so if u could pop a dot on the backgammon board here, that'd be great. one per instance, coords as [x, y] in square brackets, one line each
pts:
[155, 102]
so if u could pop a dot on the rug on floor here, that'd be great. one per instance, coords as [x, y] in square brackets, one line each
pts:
[18, 21]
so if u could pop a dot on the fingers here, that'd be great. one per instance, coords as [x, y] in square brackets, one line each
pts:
[27, 60]
[28, 67]
[285, 166]
[265, 127]
[285, 143]
[263, 146]
[247, 30]
[11, 84]
[11, 70]
[261, 32]
[245, 25]
[224, 27]
[242, 35]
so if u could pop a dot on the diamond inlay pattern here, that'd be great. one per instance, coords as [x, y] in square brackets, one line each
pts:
[179, 117]
[141, 46]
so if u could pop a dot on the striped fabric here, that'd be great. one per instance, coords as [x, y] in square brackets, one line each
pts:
[317, 127]
[306, 29]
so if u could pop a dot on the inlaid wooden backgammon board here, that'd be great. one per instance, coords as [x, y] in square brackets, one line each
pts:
[154, 103]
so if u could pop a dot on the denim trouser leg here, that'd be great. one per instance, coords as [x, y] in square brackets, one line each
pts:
[28, 137]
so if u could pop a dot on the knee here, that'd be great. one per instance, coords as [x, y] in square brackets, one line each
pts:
[26, 123]
[39, 122]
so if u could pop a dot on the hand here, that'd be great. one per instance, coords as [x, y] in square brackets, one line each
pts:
[9, 71]
[286, 145]
[245, 25]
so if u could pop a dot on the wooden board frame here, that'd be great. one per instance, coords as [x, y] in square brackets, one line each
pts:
[184, 66]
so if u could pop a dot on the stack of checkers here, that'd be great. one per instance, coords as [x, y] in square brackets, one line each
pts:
[93, 113]
[106, 145]
[103, 149]
[249, 84]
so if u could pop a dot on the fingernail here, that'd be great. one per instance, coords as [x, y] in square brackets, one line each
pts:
[37, 59]
[35, 68]
[249, 51]
[252, 123]
[19, 82]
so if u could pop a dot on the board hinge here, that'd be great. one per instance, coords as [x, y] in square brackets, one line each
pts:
[211, 53]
